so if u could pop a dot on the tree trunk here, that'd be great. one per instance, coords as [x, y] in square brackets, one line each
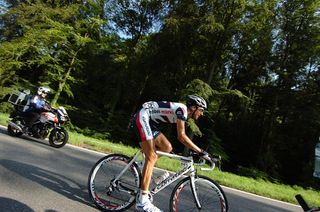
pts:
[64, 80]
[211, 72]
[265, 142]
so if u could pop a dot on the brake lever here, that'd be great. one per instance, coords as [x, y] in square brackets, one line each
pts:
[213, 161]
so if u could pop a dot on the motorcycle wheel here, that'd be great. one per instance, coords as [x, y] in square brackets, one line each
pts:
[58, 138]
[14, 132]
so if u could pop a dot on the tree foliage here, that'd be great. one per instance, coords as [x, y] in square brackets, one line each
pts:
[255, 62]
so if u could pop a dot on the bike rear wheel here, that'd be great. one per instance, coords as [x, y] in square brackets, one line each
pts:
[109, 194]
[210, 195]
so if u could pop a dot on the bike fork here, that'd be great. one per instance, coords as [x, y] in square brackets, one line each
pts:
[193, 189]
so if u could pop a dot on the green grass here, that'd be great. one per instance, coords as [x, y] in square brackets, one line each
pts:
[257, 186]
[4, 119]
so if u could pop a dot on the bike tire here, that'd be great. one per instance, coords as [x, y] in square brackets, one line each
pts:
[58, 137]
[211, 196]
[101, 176]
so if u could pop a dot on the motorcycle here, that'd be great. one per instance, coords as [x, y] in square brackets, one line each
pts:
[49, 124]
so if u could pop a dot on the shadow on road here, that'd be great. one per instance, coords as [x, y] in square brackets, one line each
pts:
[3, 130]
[56, 182]
[7, 204]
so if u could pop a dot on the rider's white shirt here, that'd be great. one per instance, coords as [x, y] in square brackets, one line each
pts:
[166, 112]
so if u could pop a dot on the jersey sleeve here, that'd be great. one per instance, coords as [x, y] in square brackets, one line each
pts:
[181, 112]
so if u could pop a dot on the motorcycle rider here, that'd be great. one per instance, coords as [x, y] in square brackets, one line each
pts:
[37, 104]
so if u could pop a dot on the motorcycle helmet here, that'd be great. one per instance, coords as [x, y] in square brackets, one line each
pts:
[197, 101]
[42, 89]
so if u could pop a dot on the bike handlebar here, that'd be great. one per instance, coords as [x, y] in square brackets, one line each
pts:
[212, 160]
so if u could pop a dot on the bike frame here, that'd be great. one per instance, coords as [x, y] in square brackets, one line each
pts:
[188, 166]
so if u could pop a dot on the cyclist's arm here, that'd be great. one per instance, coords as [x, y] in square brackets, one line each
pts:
[183, 138]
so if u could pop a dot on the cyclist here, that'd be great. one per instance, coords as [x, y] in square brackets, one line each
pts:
[37, 104]
[151, 139]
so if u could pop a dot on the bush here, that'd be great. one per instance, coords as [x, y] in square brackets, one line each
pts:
[5, 107]
[253, 173]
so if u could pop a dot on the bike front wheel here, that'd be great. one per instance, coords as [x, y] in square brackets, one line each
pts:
[209, 193]
[110, 192]
[58, 137]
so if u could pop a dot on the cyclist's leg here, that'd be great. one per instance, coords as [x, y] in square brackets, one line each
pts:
[148, 148]
[142, 126]
[162, 143]
[143, 201]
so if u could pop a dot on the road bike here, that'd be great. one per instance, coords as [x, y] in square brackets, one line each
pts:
[114, 183]
[304, 205]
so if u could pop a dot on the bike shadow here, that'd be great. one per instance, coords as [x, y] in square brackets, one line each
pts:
[3, 130]
[7, 204]
[53, 181]
[40, 141]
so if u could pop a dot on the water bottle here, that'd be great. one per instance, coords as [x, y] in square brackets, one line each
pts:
[316, 172]
[162, 177]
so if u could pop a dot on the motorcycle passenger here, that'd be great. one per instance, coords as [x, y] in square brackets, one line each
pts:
[151, 139]
[37, 104]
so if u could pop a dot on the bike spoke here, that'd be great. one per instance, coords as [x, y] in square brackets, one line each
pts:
[109, 194]
[210, 196]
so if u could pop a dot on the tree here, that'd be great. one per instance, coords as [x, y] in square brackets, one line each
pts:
[51, 42]
[298, 32]
[133, 19]
[255, 62]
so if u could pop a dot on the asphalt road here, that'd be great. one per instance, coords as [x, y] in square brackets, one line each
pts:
[37, 177]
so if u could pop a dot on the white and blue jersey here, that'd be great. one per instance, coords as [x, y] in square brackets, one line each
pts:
[153, 113]
[36, 104]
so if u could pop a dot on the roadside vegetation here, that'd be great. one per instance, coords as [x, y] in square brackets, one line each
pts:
[256, 63]
[256, 186]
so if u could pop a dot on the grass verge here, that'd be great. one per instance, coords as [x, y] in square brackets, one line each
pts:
[257, 186]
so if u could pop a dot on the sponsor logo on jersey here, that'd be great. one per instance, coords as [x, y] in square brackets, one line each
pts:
[164, 112]
[146, 126]
[180, 113]
[155, 112]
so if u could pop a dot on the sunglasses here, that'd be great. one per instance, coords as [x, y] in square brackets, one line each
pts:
[201, 109]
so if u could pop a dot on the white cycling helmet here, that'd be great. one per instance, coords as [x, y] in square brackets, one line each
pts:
[197, 101]
[43, 90]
